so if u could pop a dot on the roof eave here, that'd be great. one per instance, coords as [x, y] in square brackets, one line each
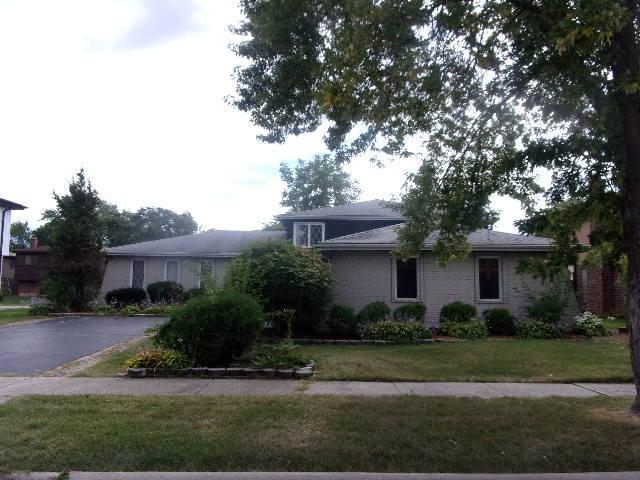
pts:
[286, 216]
[391, 246]
[172, 254]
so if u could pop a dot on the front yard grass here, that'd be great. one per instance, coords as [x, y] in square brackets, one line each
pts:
[16, 315]
[113, 363]
[404, 434]
[596, 360]
[14, 300]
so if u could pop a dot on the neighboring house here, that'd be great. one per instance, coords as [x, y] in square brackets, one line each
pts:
[6, 207]
[598, 289]
[31, 267]
[357, 239]
[8, 273]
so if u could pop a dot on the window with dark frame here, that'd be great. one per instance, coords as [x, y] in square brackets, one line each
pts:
[406, 279]
[172, 271]
[489, 278]
[137, 274]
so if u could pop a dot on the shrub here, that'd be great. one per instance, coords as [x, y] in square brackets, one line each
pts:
[457, 312]
[548, 307]
[499, 321]
[192, 293]
[590, 325]
[168, 292]
[125, 296]
[160, 309]
[213, 329]
[392, 331]
[130, 310]
[284, 354]
[281, 321]
[374, 312]
[41, 308]
[159, 358]
[411, 312]
[537, 329]
[470, 330]
[343, 321]
[282, 276]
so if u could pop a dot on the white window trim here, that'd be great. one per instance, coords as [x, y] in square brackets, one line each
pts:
[144, 271]
[178, 272]
[213, 270]
[500, 279]
[307, 224]
[394, 283]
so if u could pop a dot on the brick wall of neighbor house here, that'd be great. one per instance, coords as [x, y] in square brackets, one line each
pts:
[437, 286]
[118, 272]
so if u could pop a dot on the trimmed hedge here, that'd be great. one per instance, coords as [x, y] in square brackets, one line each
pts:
[471, 330]
[499, 321]
[343, 321]
[538, 329]
[457, 312]
[392, 331]
[125, 296]
[167, 292]
[411, 312]
[374, 312]
[213, 330]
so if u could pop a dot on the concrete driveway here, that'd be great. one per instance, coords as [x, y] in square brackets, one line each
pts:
[33, 348]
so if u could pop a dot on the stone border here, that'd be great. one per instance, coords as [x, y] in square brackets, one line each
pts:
[329, 341]
[231, 372]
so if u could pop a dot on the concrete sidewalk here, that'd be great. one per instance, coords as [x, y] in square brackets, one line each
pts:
[11, 387]
[319, 476]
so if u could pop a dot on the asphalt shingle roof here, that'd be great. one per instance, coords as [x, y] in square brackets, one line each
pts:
[387, 237]
[370, 209]
[214, 243]
[11, 205]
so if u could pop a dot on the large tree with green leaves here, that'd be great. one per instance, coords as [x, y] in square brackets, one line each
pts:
[319, 182]
[493, 90]
[76, 258]
[20, 233]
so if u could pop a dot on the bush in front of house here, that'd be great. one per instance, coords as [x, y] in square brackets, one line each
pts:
[280, 321]
[167, 292]
[591, 325]
[499, 321]
[374, 312]
[213, 330]
[536, 329]
[41, 308]
[343, 322]
[393, 331]
[125, 296]
[159, 358]
[471, 330]
[283, 354]
[548, 307]
[283, 276]
[457, 312]
[192, 293]
[411, 312]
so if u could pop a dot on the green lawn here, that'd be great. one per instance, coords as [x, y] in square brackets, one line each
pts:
[617, 322]
[112, 364]
[14, 300]
[410, 434]
[16, 315]
[597, 360]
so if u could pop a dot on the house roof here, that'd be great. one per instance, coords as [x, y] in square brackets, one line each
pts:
[368, 210]
[214, 243]
[11, 205]
[482, 240]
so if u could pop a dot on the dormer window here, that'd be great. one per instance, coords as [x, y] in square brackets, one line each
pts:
[307, 234]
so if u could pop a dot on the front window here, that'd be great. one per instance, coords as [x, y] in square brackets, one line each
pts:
[137, 274]
[206, 272]
[489, 281]
[308, 234]
[172, 271]
[406, 279]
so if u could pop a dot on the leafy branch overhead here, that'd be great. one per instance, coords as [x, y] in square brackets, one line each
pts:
[493, 91]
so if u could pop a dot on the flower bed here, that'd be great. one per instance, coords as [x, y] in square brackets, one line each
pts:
[231, 372]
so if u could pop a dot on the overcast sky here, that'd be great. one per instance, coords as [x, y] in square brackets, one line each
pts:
[133, 91]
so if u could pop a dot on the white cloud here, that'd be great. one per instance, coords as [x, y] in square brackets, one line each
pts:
[150, 124]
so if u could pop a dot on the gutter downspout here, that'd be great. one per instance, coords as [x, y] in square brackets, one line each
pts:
[4, 211]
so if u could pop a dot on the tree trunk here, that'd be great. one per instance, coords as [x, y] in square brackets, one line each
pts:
[626, 68]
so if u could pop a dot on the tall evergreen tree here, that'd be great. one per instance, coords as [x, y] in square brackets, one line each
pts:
[76, 259]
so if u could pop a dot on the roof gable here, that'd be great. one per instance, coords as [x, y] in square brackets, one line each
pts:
[214, 243]
[368, 210]
[483, 239]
